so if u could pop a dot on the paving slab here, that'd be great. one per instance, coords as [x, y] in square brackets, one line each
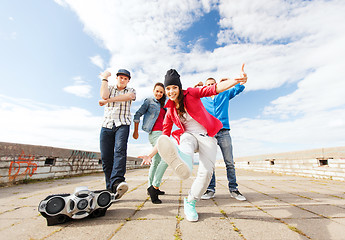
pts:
[210, 228]
[147, 229]
[277, 207]
[266, 228]
[319, 228]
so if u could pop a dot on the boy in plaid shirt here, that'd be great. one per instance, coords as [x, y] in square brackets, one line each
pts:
[115, 129]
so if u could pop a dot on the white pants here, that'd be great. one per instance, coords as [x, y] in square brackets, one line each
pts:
[207, 148]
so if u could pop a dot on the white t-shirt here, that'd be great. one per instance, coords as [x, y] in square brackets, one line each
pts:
[191, 125]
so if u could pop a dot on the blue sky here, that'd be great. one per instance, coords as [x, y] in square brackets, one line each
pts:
[53, 51]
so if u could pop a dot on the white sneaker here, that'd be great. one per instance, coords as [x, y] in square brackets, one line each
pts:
[189, 210]
[121, 189]
[237, 195]
[181, 163]
[208, 195]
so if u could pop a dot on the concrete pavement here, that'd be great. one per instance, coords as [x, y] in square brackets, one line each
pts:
[278, 207]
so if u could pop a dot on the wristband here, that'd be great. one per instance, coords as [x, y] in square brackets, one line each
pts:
[105, 79]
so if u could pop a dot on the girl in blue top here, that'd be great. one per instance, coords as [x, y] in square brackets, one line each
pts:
[154, 113]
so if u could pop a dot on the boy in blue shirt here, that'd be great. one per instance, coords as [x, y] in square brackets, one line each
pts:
[218, 106]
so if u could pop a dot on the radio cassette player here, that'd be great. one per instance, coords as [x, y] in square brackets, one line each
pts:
[60, 208]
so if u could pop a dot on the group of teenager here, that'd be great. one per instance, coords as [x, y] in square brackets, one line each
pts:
[201, 115]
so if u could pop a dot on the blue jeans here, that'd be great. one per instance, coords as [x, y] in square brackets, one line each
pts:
[225, 144]
[113, 144]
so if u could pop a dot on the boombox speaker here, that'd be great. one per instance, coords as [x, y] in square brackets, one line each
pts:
[60, 208]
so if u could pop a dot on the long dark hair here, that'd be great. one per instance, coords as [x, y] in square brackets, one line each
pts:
[163, 98]
[180, 108]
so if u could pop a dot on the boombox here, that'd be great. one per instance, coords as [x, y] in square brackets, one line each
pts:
[60, 208]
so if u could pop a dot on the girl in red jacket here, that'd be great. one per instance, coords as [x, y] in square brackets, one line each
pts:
[196, 132]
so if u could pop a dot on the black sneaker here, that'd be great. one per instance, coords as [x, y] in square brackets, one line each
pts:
[158, 191]
[154, 195]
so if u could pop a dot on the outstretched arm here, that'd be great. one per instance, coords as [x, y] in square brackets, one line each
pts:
[227, 83]
[147, 158]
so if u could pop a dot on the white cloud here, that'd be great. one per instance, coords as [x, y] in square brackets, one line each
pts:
[56, 126]
[317, 130]
[48, 125]
[280, 41]
[80, 88]
[274, 20]
[144, 39]
[61, 3]
[98, 61]
[321, 90]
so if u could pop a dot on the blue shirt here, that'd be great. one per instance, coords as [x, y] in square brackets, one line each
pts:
[219, 105]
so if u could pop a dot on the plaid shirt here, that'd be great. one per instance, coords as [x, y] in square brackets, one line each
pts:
[117, 113]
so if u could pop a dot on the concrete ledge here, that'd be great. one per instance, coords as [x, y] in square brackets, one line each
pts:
[319, 163]
[21, 162]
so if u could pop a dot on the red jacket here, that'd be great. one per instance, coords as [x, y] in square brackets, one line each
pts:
[196, 110]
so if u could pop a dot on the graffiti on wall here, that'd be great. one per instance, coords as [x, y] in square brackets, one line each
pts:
[22, 166]
[78, 160]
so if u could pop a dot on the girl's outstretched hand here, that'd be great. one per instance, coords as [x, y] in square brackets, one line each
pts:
[243, 75]
[242, 70]
[146, 160]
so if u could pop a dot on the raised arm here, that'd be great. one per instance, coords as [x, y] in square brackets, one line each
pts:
[227, 83]
[104, 87]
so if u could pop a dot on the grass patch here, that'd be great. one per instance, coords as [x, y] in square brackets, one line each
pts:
[178, 234]
[295, 230]
[336, 196]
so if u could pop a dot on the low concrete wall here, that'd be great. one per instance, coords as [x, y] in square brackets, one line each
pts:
[20, 162]
[319, 163]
